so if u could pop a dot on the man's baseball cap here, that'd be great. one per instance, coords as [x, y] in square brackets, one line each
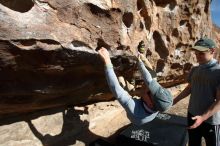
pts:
[204, 44]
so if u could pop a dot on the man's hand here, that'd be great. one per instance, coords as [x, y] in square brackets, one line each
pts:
[139, 56]
[103, 52]
[143, 57]
[215, 107]
[198, 121]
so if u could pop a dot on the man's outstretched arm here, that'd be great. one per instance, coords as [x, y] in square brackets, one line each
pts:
[145, 73]
[122, 95]
[183, 94]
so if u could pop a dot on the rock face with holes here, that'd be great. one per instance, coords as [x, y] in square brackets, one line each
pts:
[216, 35]
[48, 54]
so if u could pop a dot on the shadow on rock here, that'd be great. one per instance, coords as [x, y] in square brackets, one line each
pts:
[73, 130]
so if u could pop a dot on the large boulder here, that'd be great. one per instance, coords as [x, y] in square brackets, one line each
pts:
[48, 49]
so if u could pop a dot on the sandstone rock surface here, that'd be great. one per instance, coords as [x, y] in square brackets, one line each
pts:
[48, 54]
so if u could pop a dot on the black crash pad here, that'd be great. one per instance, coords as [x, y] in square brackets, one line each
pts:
[164, 130]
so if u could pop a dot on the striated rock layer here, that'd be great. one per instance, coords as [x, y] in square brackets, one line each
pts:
[48, 48]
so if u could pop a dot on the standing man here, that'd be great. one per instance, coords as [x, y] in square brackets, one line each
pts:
[204, 104]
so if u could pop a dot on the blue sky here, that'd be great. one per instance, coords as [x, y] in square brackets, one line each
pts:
[215, 12]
